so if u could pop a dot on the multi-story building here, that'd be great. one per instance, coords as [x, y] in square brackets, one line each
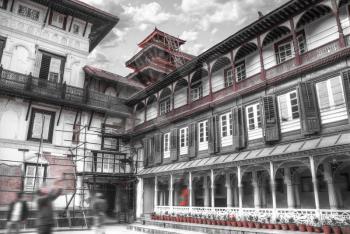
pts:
[256, 125]
[58, 117]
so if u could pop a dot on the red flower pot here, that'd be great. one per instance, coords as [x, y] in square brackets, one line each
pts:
[250, 224]
[239, 224]
[257, 225]
[345, 230]
[318, 229]
[292, 226]
[309, 228]
[302, 227]
[233, 223]
[326, 229]
[284, 226]
[244, 223]
[277, 226]
[336, 230]
[208, 221]
[270, 226]
[264, 226]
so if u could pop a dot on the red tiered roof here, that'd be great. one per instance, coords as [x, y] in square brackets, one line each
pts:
[156, 32]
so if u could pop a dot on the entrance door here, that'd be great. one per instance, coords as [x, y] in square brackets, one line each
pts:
[109, 194]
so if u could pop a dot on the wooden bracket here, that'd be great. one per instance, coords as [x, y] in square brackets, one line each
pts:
[90, 120]
[28, 110]
[59, 116]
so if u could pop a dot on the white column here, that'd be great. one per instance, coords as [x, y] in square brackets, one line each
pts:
[297, 195]
[256, 190]
[314, 182]
[228, 190]
[212, 184]
[139, 194]
[190, 189]
[206, 191]
[171, 191]
[273, 190]
[240, 191]
[235, 196]
[332, 196]
[289, 185]
[176, 196]
[155, 191]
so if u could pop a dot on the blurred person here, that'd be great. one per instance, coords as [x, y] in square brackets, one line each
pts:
[18, 212]
[99, 207]
[45, 198]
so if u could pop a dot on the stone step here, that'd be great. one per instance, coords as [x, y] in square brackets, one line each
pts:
[158, 230]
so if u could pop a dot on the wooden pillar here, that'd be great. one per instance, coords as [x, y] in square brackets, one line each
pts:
[295, 43]
[155, 191]
[189, 99]
[289, 186]
[210, 83]
[171, 191]
[206, 191]
[262, 66]
[255, 184]
[335, 7]
[332, 196]
[273, 190]
[145, 114]
[212, 179]
[240, 190]
[228, 190]
[234, 86]
[190, 189]
[314, 182]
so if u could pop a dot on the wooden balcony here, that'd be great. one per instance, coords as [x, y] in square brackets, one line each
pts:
[316, 58]
[25, 86]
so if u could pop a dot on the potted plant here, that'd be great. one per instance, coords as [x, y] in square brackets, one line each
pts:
[335, 226]
[244, 222]
[284, 225]
[256, 222]
[346, 226]
[326, 227]
[277, 224]
[317, 225]
[263, 224]
[309, 225]
[302, 226]
[232, 221]
[269, 224]
[250, 221]
[291, 224]
[239, 222]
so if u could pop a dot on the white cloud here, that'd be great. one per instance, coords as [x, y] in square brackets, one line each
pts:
[147, 13]
[189, 35]
[194, 49]
[143, 27]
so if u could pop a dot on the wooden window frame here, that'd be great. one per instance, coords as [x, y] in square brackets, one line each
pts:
[183, 137]
[106, 136]
[62, 67]
[330, 94]
[166, 142]
[51, 127]
[238, 75]
[228, 79]
[31, 8]
[256, 116]
[197, 86]
[25, 175]
[64, 24]
[164, 106]
[289, 39]
[289, 106]
[203, 129]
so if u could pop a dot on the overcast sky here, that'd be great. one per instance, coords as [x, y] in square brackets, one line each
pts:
[202, 23]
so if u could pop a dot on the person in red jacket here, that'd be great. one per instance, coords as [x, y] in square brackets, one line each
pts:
[18, 213]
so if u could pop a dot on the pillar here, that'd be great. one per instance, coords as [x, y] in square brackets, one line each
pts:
[139, 195]
[206, 191]
[263, 196]
[262, 66]
[255, 184]
[210, 83]
[228, 190]
[155, 191]
[332, 196]
[337, 18]
[190, 189]
[235, 196]
[297, 195]
[145, 114]
[273, 190]
[240, 189]
[212, 179]
[314, 182]
[176, 196]
[171, 191]
[295, 43]
[289, 186]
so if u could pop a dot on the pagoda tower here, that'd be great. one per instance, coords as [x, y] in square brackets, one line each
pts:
[159, 55]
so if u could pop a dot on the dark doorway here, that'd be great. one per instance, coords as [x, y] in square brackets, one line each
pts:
[109, 194]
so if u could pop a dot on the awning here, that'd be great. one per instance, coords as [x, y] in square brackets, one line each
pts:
[298, 149]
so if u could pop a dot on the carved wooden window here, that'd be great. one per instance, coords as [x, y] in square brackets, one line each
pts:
[196, 91]
[41, 125]
[164, 106]
[203, 131]
[49, 66]
[76, 29]
[166, 142]
[330, 94]
[228, 77]
[34, 177]
[28, 12]
[109, 141]
[240, 71]
[58, 20]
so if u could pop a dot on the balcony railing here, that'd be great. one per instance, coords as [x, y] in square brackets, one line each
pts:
[27, 86]
[299, 215]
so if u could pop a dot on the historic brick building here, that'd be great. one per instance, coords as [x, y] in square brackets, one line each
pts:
[256, 125]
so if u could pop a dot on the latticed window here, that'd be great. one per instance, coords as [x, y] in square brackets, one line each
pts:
[184, 137]
[240, 71]
[288, 106]
[196, 91]
[166, 143]
[34, 177]
[330, 94]
[28, 12]
[41, 125]
[228, 77]
[203, 131]
[284, 52]
[301, 43]
[253, 117]
[226, 125]
[164, 106]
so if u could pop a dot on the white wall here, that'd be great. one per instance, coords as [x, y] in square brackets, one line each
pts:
[218, 80]
[205, 83]
[269, 56]
[252, 64]
[152, 111]
[180, 97]
[321, 31]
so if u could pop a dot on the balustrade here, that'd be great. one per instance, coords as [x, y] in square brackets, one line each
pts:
[26, 85]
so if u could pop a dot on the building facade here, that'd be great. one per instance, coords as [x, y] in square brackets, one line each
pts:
[256, 125]
[58, 117]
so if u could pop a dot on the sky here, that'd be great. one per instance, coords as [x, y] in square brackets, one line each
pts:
[202, 23]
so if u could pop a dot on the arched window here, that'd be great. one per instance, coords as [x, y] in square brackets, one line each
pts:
[240, 60]
[165, 101]
[221, 74]
[198, 86]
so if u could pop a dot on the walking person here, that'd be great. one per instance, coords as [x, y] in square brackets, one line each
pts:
[18, 212]
[46, 196]
[99, 206]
